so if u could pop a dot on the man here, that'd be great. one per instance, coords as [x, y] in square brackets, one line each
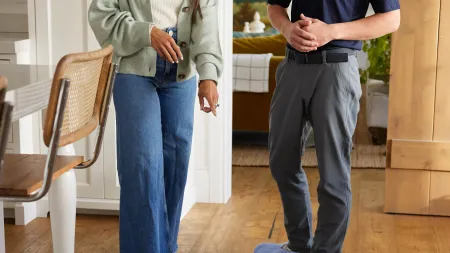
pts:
[318, 82]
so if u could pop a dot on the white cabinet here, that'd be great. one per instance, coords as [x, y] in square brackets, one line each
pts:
[13, 145]
[8, 59]
[89, 181]
[101, 180]
[112, 188]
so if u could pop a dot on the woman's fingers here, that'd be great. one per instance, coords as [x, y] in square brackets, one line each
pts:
[177, 50]
[166, 54]
[212, 104]
[170, 49]
[202, 102]
[165, 46]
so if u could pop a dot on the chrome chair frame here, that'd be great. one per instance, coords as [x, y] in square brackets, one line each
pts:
[5, 125]
[104, 117]
[54, 143]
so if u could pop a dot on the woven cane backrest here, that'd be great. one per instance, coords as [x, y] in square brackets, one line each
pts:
[3, 85]
[88, 74]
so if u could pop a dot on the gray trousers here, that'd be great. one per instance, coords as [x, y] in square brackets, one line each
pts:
[327, 96]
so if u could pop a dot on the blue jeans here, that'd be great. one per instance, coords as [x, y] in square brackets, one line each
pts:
[154, 135]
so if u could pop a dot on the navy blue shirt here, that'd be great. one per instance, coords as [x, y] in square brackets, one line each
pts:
[337, 11]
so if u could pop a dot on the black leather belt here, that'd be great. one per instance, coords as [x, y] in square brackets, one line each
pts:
[319, 57]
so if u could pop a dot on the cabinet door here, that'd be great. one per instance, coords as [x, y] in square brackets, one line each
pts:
[8, 59]
[89, 181]
[13, 145]
[112, 189]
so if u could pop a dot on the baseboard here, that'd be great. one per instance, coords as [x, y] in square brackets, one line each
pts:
[22, 213]
[112, 206]
[190, 198]
[98, 204]
[261, 138]
[250, 138]
[92, 206]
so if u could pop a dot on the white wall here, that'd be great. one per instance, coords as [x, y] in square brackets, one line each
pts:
[212, 136]
[13, 16]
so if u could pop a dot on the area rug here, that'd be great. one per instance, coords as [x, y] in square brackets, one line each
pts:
[363, 156]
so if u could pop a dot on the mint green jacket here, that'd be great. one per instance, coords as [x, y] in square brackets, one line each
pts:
[125, 25]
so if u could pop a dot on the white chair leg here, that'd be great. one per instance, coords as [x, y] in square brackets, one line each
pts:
[2, 229]
[63, 202]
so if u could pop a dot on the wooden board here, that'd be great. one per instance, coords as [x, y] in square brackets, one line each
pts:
[407, 191]
[440, 193]
[413, 71]
[412, 155]
[23, 174]
[442, 104]
[420, 155]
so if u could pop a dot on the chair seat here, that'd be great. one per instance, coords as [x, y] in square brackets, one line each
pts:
[23, 174]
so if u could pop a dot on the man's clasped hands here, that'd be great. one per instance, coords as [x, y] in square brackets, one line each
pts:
[307, 34]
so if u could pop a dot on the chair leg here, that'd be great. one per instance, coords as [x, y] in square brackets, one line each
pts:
[63, 201]
[2, 229]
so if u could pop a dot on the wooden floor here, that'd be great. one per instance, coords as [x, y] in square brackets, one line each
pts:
[246, 221]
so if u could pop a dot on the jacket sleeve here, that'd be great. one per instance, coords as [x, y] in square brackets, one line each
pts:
[205, 46]
[118, 28]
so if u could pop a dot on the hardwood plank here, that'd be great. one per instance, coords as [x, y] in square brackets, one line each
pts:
[24, 174]
[420, 155]
[243, 223]
[20, 238]
[441, 227]
[102, 237]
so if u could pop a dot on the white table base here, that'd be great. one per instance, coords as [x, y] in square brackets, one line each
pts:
[2, 229]
[63, 205]
[63, 201]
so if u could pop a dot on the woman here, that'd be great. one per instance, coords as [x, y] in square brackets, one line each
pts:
[158, 44]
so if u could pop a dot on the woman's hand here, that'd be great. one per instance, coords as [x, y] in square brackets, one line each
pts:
[165, 45]
[207, 89]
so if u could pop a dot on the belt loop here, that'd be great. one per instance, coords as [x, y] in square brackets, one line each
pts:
[324, 56]
[306, 58]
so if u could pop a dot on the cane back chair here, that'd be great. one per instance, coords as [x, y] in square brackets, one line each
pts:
[78, 105]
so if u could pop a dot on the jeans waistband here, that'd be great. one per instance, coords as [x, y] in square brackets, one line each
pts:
[171, 30]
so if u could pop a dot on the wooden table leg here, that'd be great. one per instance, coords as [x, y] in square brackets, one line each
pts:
[63, 200]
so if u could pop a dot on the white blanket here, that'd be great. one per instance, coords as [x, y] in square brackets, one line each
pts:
[251, 72]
